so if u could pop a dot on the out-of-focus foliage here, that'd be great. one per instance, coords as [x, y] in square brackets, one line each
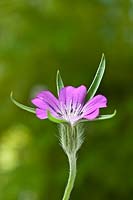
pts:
[36, 38]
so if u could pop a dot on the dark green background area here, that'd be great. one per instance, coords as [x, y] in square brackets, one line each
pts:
[37, 37]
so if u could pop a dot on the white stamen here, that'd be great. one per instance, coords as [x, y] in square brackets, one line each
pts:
[71, 112]
[78, 109]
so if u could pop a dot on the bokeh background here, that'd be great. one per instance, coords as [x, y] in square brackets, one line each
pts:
[37, 37]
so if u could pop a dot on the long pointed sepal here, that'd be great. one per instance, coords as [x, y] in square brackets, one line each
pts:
[97, 79]
[103, 117]
[53, 119]
[59, 82]
[29, 109]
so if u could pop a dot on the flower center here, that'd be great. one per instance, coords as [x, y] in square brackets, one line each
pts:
[71, 112]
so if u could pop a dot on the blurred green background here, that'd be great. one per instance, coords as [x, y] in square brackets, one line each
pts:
[37, 37]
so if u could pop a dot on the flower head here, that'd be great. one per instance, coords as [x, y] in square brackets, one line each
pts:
[70, 105]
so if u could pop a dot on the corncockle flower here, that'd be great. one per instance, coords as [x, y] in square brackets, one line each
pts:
[69, 110]
[70, 105]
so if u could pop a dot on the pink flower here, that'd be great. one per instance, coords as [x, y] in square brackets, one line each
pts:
[70, 105]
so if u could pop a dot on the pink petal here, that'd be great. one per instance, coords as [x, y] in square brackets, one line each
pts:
[46, 99]
[72, 95]
[98, 101]
[92, 115]
[49, 98]
[41, 114]
[39, 103]
[91, 108]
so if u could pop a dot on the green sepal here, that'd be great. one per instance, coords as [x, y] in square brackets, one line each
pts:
[53, 119]
[101, 117]
[59, 82]
[29, 109]
[97, 79]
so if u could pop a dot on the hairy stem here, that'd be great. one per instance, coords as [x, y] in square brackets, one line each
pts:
[72, 176]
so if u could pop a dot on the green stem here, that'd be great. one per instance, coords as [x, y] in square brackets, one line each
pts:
[72, 176]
